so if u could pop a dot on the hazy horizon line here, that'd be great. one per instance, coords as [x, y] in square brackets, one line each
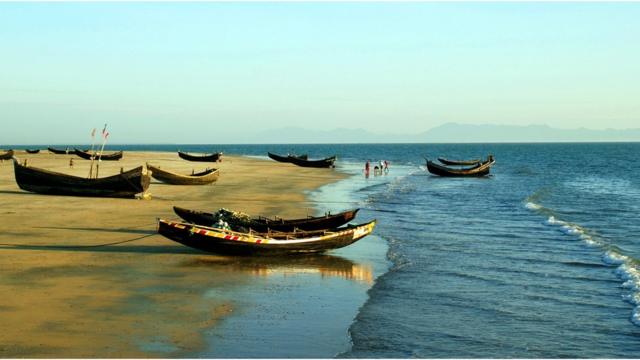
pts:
[8, 146]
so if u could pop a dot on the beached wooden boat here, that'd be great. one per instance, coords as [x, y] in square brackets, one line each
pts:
[106, 157]
[459, 162]
[61, 152]
[32, 151]
[125, 184]
[6, 155]
[481, 169]
[286, 159]
[230, 242]
[201, 178]
[309, 223]
[203, 158]
[322, 163]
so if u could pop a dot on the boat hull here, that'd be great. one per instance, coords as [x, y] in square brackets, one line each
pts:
[203, 178]
[61, 152]
[105, 157]
[263, 224]
[228, 242]
[479, 170]
[7, 155]
[459, 162]
[323, 163]
[204, 158]
[286, 159]
[125, 185]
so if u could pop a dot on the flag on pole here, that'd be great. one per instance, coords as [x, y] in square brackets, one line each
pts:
[106, 135]
[104, 131]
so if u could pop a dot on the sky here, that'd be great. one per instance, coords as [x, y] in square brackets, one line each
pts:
[208, 72]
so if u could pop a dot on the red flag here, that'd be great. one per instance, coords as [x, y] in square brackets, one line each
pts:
[104, 131]
[106, 135]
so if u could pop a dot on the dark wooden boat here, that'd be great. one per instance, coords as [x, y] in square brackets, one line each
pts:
[286, 159]
[459, 162]
[126, 184]
[203, 158]
[230, 242]
[323, 163]
[309, 223]
[7, 155]
[61, 152]
[201, 178]
[32, 151]
[481, 169]
[106, 157]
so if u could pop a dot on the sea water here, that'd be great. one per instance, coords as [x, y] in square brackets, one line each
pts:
[538, 260]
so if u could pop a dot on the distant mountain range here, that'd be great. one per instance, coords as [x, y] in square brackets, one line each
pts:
[447, 133]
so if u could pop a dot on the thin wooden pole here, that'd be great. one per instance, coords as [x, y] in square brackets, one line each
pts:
[93, 156]
[104, 141]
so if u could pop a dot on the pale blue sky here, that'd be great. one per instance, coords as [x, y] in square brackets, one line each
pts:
[221, 69]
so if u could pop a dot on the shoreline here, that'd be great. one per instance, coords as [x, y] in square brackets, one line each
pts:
[75, 293]
[305, 307]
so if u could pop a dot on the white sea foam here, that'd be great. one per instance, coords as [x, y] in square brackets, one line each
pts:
[553, 221]
[532, 206]
[614, 258]
[628, 271]
[568, 228]
[630, 275]
[589, 240]
[572, 230]
[635, 317]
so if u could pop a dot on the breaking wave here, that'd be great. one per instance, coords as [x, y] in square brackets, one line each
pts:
[628, 268]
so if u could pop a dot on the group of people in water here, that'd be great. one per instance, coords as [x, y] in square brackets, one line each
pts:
[378, 169]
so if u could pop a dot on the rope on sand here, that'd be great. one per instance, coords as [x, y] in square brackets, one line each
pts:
[77, 246]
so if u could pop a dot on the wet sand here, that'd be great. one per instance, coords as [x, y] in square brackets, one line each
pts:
[88, 277]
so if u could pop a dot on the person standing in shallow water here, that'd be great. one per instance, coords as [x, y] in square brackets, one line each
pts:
[366, 169]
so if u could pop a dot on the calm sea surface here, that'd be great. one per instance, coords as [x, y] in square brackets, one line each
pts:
[541, 259]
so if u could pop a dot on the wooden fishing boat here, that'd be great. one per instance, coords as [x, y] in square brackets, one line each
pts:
[230, 242]
[61, 152]
[7, 155]
[106, 157]
[481, 169]
[32, 151]
[125, 184]
[459, 162]
[309, 223]
[203, 158]
[286, 159]
[322, 163]
[201, 178]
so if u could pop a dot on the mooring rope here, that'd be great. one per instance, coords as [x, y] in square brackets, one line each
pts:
[77, 246]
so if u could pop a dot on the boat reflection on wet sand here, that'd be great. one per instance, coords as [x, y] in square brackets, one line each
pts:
[324, 265]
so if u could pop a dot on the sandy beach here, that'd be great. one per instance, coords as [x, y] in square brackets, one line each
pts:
[88, 277]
